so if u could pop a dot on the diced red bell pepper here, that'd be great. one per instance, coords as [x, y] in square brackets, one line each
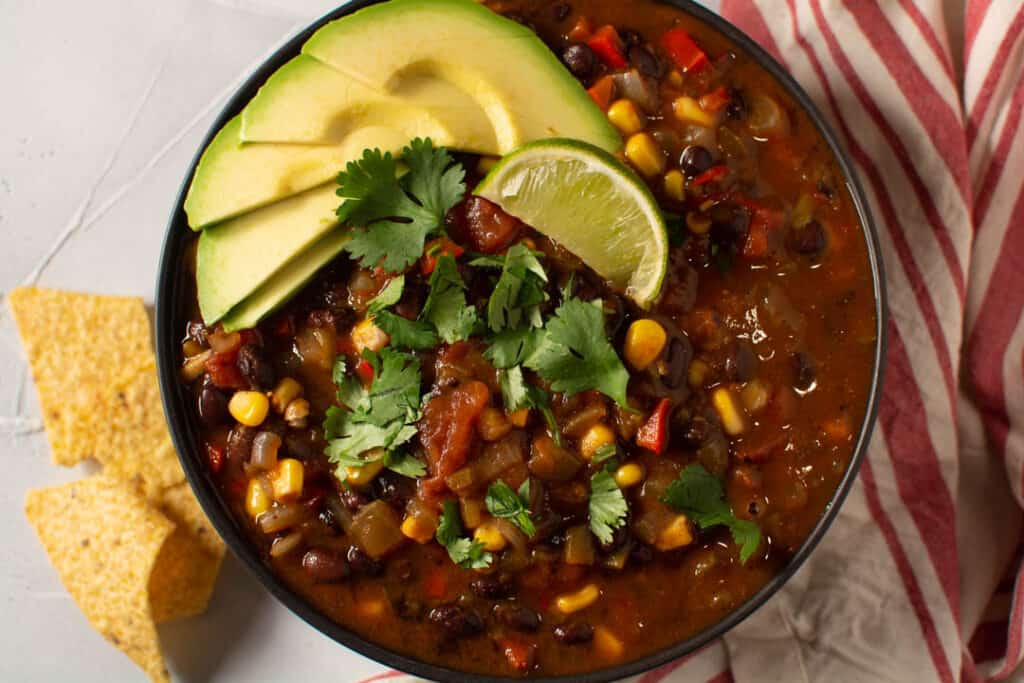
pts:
[715, 100]
[713, 174]
[215, 456]
[364, 370]
[763, 222]
[653, 434]
[435, 249]
[521, 656]
[607, 45]
[224, 372]
[602, 92]
[683, 50]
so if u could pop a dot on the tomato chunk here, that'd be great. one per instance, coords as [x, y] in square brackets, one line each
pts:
[435, 249]
[224, 372]
[447, 429]
[483, 225]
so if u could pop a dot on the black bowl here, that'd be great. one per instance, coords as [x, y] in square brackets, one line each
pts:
[171, 308]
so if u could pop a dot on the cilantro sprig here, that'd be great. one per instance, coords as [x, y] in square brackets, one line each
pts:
[699, 495]
[445, 307]
[519, 291]
[465, 552]
[391, 217]
[607, 506]
[504, 503]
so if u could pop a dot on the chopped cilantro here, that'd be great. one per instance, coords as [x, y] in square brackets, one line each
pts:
[576, 355]
[464, 552]
[512, 347]
[389, 296]
[516, 394]
[504, 503]
[519, 290]
[405, 333]
[405, 464]
[607, 506]
[605, 452]
[391, 217]
[445, 307]
[699, 495]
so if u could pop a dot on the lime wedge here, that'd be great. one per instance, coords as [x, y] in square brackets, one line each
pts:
[592, 204]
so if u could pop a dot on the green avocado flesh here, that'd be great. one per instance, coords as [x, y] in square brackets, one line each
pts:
[451, 70]
[286, 282]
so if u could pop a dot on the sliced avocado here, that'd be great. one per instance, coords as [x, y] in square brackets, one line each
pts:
[524, 89]
[308, 102]
[286, 282]
[236, 257]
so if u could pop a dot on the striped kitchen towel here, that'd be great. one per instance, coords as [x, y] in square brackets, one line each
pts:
[919, 579]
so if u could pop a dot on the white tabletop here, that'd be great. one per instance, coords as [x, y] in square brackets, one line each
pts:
[104, 105]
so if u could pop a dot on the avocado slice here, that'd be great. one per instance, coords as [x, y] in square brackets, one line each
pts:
[308, 102]
[236, 257]
[523, 88]
[286, 282]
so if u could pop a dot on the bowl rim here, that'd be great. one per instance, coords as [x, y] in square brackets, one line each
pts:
[185, 434]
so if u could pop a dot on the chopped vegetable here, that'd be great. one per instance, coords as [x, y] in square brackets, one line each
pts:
[435, 249]
[699, 495]
[683, 50]
[607, 45]
[504, 503]
[653, 434]
[607, 507]
[581, 599]
[602, 92]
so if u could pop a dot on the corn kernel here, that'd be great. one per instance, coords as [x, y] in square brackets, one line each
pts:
[675, 78]
[581, 599]
[520, 417]
[675, 535]
[625, 117]
[645, 154]
[698, 223]
[755, 396]
[249, 407]
[630, 474]
[688, 110]
[472, 511]
[492, 538]
[645, 340]
[697, 374]
[418, 529]
[492, 425]
[372, 608]
[729, 411]
[364, 476]
[288, 480]
[191, 348]
[596, 436]
[286, 391]
[366, 335]
[256, 499]
[608, 645]
[675, 185]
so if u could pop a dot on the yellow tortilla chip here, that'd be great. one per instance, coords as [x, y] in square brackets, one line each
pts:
[103, 540]
[78, 344]
[186, 570]
[123, 426]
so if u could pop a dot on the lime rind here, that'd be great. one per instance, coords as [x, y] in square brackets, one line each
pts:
[592, 204]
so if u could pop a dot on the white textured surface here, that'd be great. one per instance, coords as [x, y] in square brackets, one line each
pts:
[105, 103]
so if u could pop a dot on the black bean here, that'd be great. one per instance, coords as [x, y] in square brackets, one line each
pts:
[457, 622]
[255, 367]
[729, 223]
[644, 61]
[490, 588]
[352, 499]
[741, 363]
[321, 317]
[517, 617]
[737, 107]
[562, 11]
[677, 362]
[629, 37]
[805, 371]
[695, 160]
[696, 431]
[299, 445]
[580, 59]
[640, 554]
[809, 240]
[619, 537]
[327, 519]
[213, 405]
[239, 444]
[578, 633]
[324, 566]
[392, 488]
[362, 563]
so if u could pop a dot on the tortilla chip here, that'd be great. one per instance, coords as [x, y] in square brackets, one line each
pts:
[77, 344]
[123, 426]
[186, 570]
[103, 540]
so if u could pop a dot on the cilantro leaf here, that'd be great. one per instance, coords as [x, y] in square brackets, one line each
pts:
[607, 506]
[504, 503]
[576, 355]
[445, 307]
[467, 553]
[512, 347]
[699, 495]
[518, 292]
[405, 333]
[391, 218]
[405, 464]
[389, 296]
